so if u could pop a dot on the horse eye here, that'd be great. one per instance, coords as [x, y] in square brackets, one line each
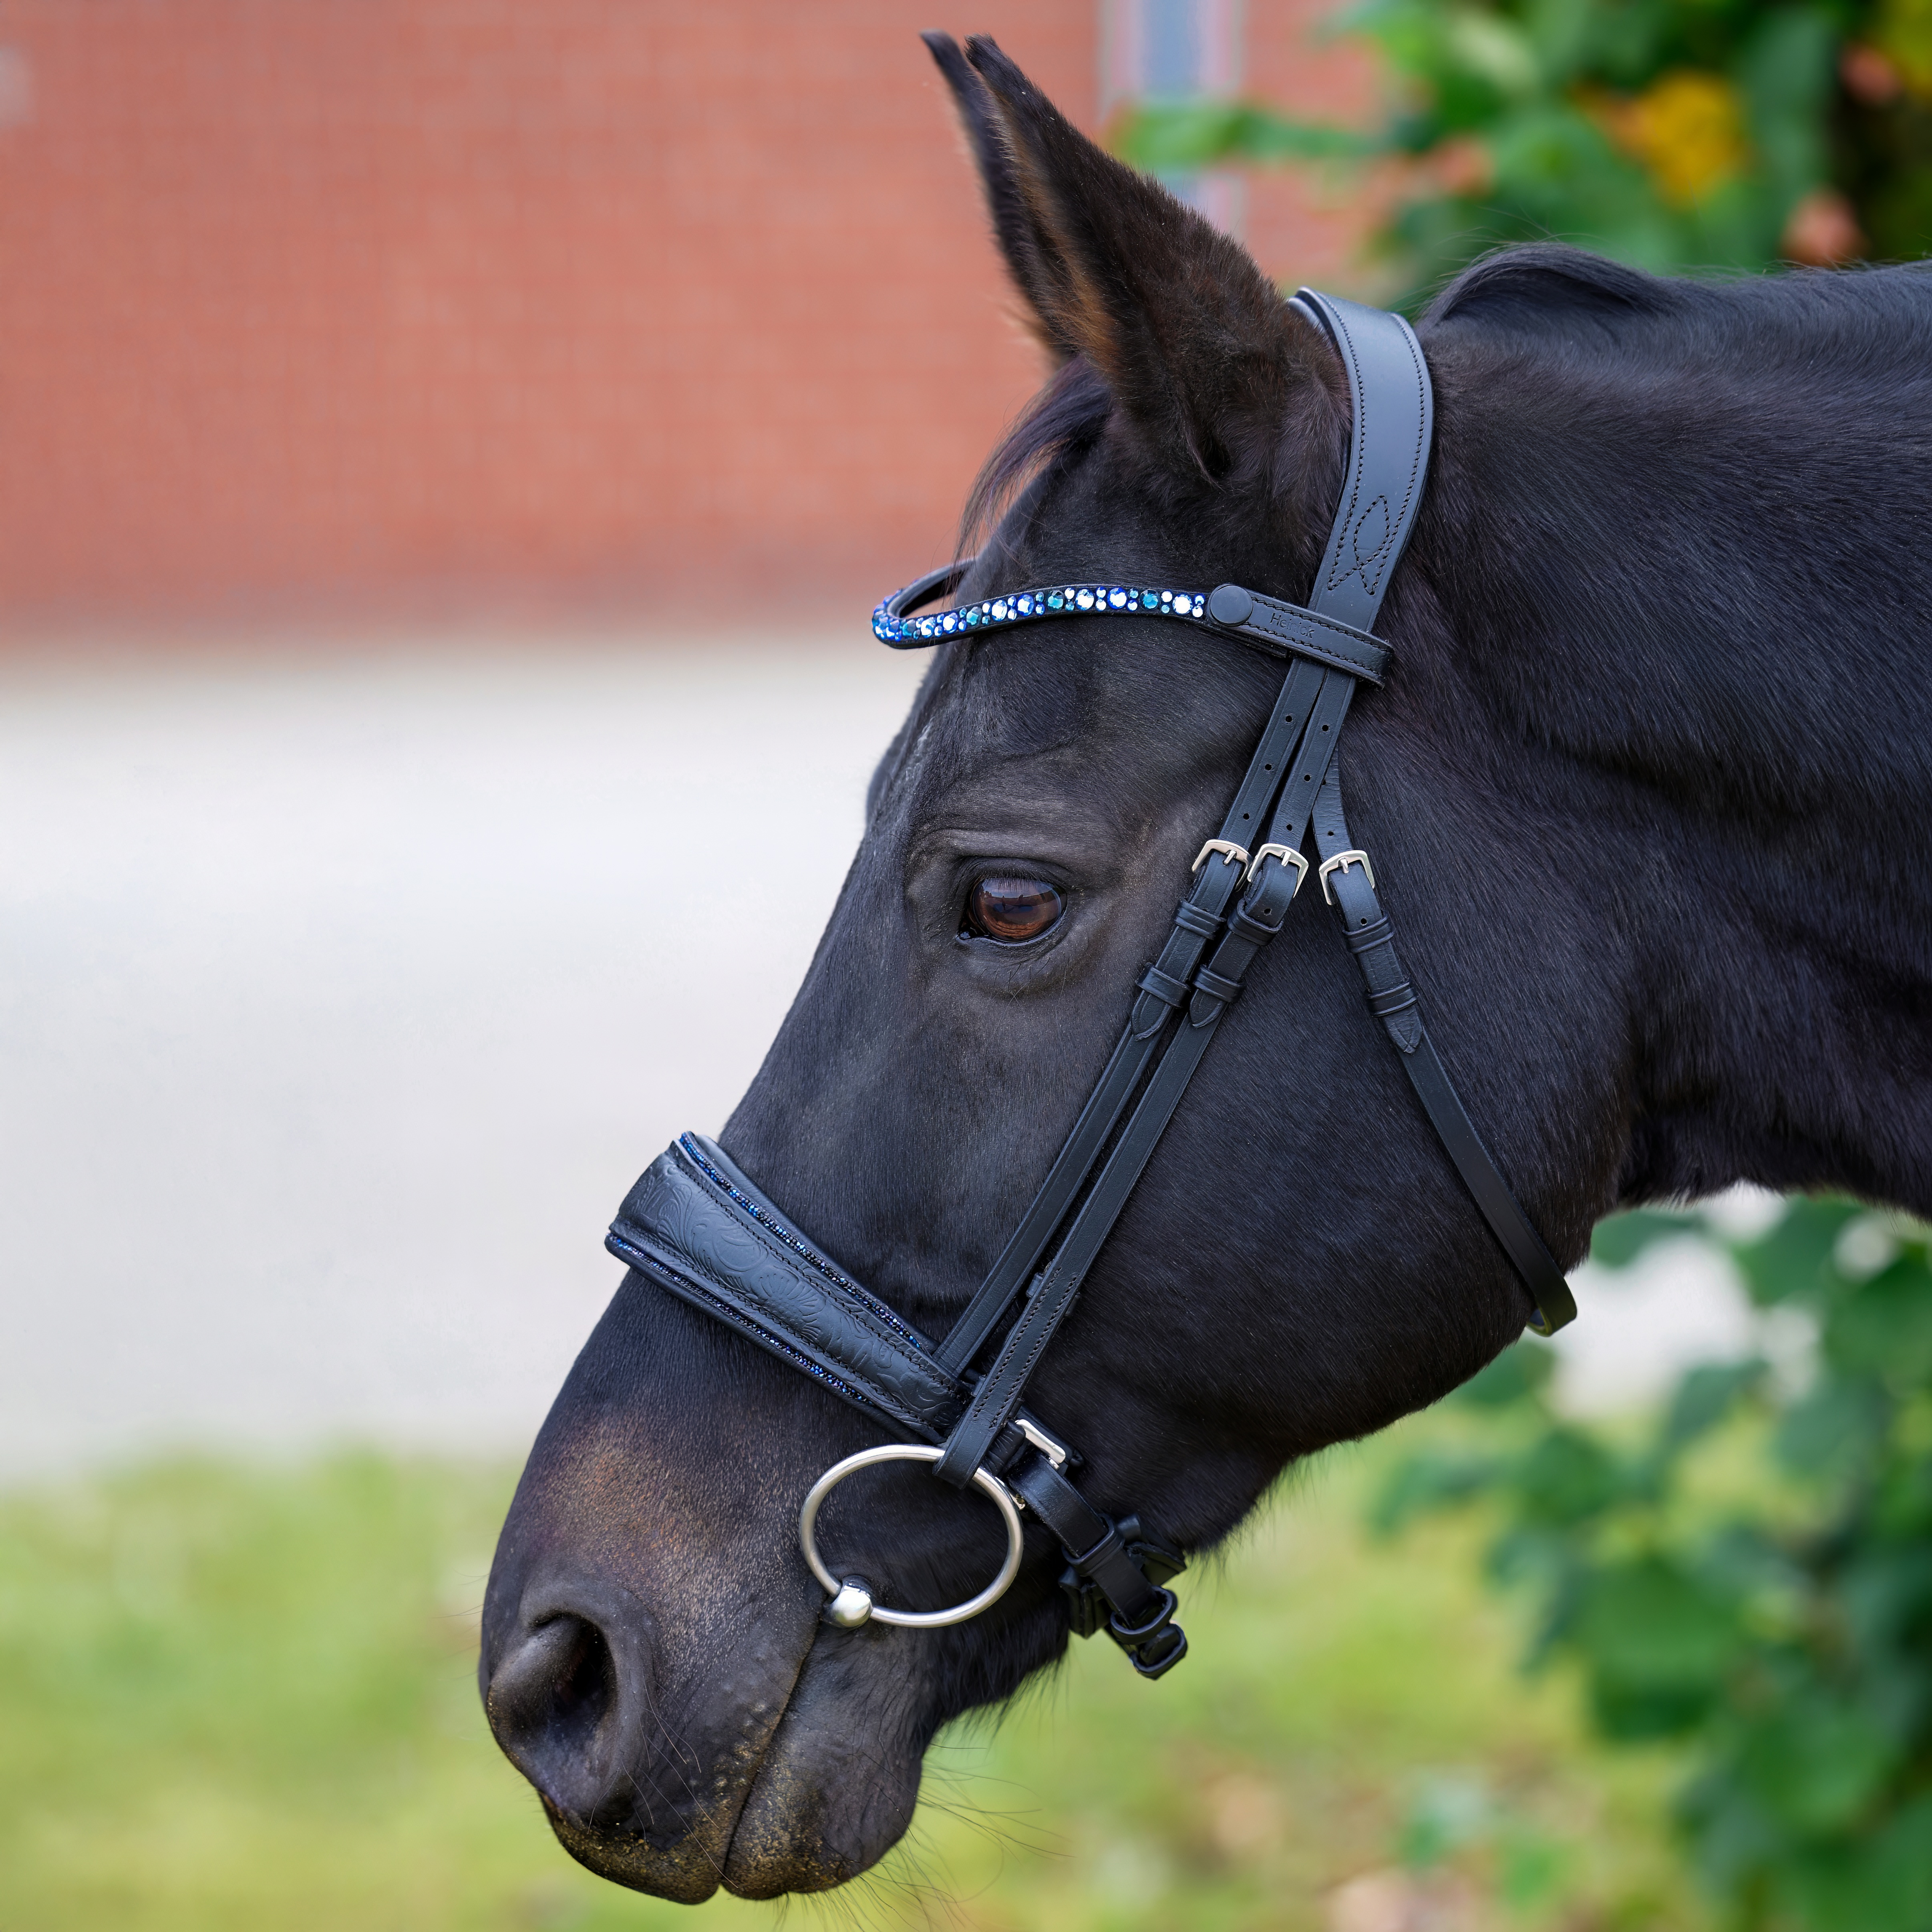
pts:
[1012, 910]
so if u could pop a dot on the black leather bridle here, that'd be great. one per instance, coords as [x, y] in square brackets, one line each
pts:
[697, 1225]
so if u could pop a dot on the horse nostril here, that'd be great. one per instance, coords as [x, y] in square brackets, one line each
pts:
[555, 1703]
[587, 1683]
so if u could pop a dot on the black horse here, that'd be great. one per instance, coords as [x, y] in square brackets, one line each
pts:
[1646, 785]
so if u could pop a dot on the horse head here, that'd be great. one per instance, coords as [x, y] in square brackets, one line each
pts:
[1580, 785]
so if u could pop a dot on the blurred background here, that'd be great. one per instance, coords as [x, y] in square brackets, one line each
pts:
[448, 453]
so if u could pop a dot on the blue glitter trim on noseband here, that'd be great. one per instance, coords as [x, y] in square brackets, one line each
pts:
[1022, 607]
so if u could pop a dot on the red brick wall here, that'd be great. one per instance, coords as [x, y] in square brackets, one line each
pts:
[402, 305]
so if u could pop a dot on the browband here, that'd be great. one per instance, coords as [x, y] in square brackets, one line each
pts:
[1267, 622]
[696, 1224]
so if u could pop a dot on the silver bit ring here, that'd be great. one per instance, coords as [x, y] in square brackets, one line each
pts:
[851, 1599]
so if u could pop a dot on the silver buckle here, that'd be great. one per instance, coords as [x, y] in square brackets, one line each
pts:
[1238, 853]
[1341, 863]
[1287, 857]
[1054, 1452]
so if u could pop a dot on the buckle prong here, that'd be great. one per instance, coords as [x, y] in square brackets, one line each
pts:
[1227, 846]
[1287, 855]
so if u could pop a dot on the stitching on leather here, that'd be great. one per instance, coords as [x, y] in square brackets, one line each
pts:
[1358, 453]
[783, 1234]
[1358, 464]
[868, 1396]
[983, 1402]
[921, 1371]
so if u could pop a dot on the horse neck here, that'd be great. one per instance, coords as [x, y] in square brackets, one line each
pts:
[1651, 586]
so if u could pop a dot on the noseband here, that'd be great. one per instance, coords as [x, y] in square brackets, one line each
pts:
[697, 1226]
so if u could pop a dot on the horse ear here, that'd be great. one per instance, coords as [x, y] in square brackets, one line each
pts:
[1200, 351]
[1021, 241]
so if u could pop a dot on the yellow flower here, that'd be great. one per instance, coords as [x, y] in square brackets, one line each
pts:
[1688, 128]
[1904, 33]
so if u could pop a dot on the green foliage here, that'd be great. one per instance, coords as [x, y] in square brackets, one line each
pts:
[236, 1700]
[1670, 134]
[1751, 1575]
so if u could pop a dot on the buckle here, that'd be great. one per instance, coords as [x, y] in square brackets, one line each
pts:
[1227, 848]
[1287, 857]
[1054, 1451]
[1341, 863]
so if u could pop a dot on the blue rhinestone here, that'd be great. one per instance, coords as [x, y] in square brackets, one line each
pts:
[1056, 601]
[1085, 598]
[1149, 601]
[1118, 598]
[972, 616]
[950, 621]
[1000, 609]
[1026, 607]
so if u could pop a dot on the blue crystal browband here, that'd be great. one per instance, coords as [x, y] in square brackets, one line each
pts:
[1017, 606]
[1266, 622]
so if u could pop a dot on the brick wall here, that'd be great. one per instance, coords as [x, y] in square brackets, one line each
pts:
[408, 306]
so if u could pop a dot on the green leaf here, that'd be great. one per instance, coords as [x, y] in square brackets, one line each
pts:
[1621, 1238]
[1701, 1400]
[1519, 1372]
[1883, 1887]
[1784, 73]
[1168, 137]
[1834, 1430]
[1816, 1764]
[1566, 1478]
[1883, 1327]
[1657, 1641]
[1793, 1261]
[1426, 1481]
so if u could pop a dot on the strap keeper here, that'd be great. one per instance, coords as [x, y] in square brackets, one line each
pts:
[1216, 985]
[1394, 999]
[1196, 919]
[1164, 986]
[1242, 924]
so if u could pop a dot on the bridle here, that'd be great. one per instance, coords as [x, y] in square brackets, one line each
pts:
[697, 1226]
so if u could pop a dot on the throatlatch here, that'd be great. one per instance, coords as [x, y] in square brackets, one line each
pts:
[697, 1225]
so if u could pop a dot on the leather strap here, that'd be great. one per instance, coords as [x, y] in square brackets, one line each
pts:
[1387, 456]
[1393, 1000]
[1394, 409]
[695, 1223]
[1162, 989]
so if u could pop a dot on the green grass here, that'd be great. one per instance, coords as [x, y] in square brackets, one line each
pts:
[244, 1697]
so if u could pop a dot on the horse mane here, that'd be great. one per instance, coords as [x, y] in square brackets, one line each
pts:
[1066, 417]
[1545, 285]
